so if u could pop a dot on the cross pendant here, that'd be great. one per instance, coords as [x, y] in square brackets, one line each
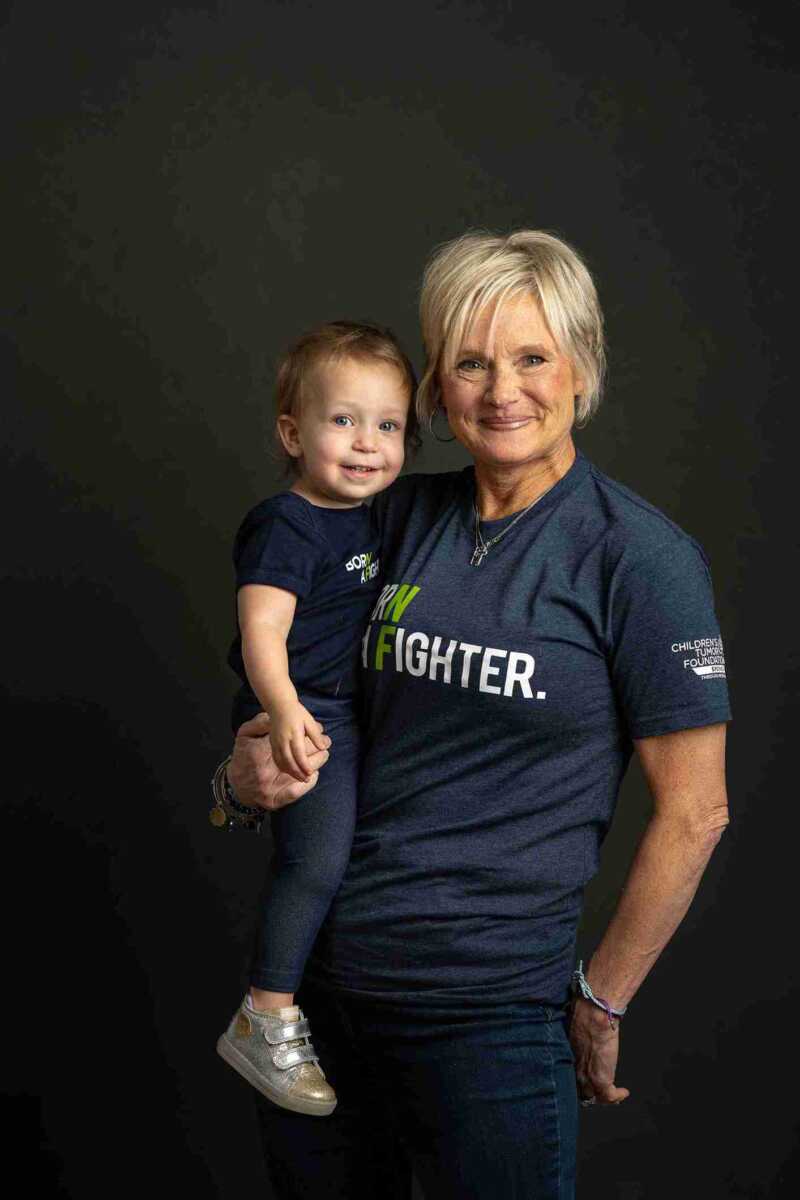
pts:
[478, 555]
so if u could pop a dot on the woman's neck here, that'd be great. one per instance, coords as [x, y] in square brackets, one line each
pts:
[500, 491]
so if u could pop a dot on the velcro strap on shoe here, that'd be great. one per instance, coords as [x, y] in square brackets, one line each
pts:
[275, 1034]
[291, 1056]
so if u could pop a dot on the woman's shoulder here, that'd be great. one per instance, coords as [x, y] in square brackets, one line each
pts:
[428, 482]
[633, 527]
[416, 491]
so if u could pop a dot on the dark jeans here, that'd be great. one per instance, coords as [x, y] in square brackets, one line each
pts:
[478, 1101]
[311, 842]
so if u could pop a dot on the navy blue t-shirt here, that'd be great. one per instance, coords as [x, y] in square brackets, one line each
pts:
[328, 557]
[500, 704]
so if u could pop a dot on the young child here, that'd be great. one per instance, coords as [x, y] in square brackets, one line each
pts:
[307, 563]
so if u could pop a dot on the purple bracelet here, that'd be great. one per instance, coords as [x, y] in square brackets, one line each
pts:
[580, 984]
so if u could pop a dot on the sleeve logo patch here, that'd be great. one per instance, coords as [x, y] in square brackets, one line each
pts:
[704, 656]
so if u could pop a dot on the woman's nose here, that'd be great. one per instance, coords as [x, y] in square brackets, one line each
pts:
[502, 387]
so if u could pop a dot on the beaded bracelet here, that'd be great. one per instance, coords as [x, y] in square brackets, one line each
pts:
[580, 984]
[227, 812]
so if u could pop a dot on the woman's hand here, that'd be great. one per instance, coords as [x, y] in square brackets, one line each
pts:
[595, 1045]
[255, 776]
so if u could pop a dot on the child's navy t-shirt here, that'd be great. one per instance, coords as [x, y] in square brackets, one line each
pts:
[328, 557]
[500, 704]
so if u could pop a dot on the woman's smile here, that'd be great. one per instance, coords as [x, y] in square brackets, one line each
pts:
[505, 423]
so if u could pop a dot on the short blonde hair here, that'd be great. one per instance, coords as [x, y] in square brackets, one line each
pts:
[333, 342]
[478, 269]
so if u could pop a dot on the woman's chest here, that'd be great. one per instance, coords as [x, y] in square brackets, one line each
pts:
[518, 637]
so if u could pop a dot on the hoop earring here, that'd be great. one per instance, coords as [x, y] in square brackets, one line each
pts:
[439, 408]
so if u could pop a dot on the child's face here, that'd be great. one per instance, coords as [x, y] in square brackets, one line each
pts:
[354, 416]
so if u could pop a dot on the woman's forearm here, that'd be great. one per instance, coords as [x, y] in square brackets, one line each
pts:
[664, 875]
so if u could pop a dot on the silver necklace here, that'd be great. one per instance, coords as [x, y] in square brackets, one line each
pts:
[482, 547]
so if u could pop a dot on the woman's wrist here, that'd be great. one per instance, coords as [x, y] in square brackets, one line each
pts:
[230, 792]
[228, 812]
[593, 1016]
[582, 990]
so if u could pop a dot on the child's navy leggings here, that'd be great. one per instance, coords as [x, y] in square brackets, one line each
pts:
[311, 847]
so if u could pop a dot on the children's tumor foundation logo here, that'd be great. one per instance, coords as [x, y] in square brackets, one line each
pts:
[704, 656]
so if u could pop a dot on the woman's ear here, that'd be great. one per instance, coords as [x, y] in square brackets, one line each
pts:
[578, 384]
[289, 433]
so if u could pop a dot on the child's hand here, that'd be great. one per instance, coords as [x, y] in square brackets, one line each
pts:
[290, 727]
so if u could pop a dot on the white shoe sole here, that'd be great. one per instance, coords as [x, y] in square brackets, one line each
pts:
[311, 1108]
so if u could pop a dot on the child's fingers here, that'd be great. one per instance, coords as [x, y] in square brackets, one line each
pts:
[284, 760]
[315, 735]
[299, 753]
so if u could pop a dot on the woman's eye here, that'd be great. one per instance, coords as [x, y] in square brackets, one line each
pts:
[469, 364]
[340, 418]
[533, 359]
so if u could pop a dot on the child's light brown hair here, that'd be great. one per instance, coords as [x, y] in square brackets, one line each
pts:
[333, 342]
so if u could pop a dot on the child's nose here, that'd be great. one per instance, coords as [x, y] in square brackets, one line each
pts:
[365, 439]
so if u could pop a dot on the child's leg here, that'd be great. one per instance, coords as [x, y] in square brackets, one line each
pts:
[311, 847]
[271, 1047]
[264, 1001]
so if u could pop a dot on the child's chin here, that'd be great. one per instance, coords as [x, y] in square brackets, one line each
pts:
[384, 480]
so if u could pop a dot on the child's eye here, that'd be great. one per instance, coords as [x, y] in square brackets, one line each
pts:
[392, 425]
[340, 417]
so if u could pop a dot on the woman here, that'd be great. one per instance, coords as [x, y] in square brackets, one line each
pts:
[538, 622]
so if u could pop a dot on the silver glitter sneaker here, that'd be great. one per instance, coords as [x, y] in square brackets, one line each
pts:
[275, 1055]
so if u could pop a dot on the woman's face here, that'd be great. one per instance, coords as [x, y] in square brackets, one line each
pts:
[510, 395]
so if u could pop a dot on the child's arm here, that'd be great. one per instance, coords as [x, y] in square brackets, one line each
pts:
[265, 618]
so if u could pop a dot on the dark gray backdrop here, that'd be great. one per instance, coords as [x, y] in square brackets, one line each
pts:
[188, 187]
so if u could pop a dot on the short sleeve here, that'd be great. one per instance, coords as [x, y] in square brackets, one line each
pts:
[278, 549]
[666, 656]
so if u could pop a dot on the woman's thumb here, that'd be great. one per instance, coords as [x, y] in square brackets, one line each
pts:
[257, 726]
